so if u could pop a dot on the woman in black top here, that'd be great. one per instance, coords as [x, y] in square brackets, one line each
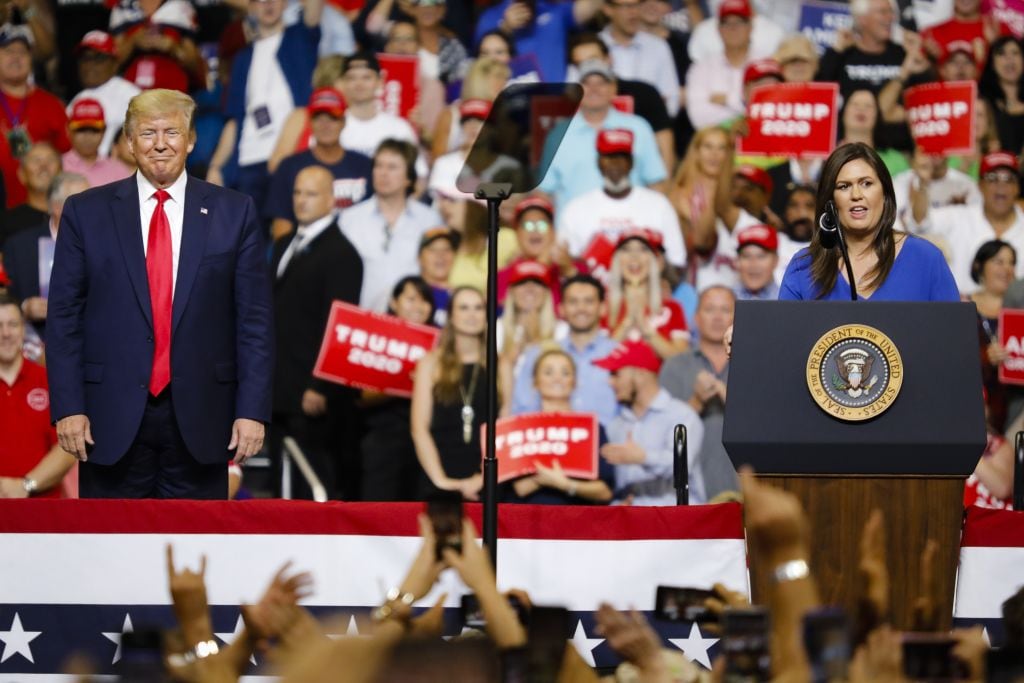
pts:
[1002, 84]
[449, 400]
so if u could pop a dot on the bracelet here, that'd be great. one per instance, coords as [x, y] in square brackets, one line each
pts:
[30, 485]
[571, 491]
[791, 571]
[202, 650]
[397, 606]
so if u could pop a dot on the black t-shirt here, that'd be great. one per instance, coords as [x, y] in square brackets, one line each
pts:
[352, 182]
[854, 69]
[19, 218]
[647, 103]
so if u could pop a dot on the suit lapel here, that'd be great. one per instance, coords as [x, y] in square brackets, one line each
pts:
[128, 226]
[195, 227]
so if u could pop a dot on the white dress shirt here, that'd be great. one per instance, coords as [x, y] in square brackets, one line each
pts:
[646, 58]
[304, 235]
[174, 207]
[704, 79]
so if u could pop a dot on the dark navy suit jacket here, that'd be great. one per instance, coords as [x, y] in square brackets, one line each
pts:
[99, 323]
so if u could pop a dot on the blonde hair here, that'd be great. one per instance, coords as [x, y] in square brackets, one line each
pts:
[476, 85]
[689, 167]
[328, 71]
[545, 326]
[549, 349]
[160, 102]
[615, 286]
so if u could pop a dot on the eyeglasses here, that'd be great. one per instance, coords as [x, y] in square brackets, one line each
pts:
[535, 226]
[1000, 177]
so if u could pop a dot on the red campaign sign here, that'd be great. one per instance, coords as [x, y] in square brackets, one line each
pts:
[623, 103]
[400, 83]
[525, 440]
[791, 119]
[941, 116]
[598, 256]
[1011, 336]
[368, 350]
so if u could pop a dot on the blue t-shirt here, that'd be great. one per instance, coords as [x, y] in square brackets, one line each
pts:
[919, 273]
[353, 182]
[545, 37]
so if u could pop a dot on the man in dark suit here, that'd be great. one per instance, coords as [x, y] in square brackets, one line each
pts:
[21, 253]
[159, 333]
[312, 267]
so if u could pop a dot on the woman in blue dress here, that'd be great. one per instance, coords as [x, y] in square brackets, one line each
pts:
[887, 265]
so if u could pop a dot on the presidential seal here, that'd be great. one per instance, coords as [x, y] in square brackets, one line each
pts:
[854, 372]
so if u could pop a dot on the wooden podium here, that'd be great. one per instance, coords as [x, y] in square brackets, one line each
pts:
[907, 453]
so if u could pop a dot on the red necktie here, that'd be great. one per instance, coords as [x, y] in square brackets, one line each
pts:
[159, 268]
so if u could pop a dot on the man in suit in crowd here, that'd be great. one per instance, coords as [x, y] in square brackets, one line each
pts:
[160, 331]
[30, 279]
[312, 267]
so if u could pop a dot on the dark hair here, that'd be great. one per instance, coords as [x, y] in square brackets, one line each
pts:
[584, 279]
[7, 299]
[500, 34]
[988, 84]
[825, 262]
[841, 129]
[986, 253]
[407, 151]
[421, 287]
[585, 38]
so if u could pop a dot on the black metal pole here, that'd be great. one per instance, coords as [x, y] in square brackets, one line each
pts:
[1018, 472]
[494, 193]
[680, 467]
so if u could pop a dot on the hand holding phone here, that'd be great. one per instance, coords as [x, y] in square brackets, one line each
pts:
[445, 513]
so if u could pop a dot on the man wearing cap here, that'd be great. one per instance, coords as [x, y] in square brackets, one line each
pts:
[30, 275]
[638, 55]
[86, 127]
[751, 189]
[312, 268]
[279, 64]
[97, 72]
[386, 228]
[572, 167]
[766, 31]
[534, 223]
[965, 27]
[436, 257]
[965, 228]
[618, 206]
[451, 171]
[864, 57]
[946, 185]
[366, 126]
[757, 257]
[351, 170]
[700, 376]
[28, 113]
[640, 437]
[714, 84]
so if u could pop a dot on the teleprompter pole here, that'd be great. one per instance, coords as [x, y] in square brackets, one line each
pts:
[494, 194]
[680, 466]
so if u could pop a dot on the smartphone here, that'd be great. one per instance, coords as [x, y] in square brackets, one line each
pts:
[473, 616]
[745, 644]
[142, 657]
[683, 604]
[445, 512]
[545, 642]
[929, 657]
[827, 642]
[1005, 665]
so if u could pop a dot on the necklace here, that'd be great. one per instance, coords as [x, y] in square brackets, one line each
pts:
[467, 410]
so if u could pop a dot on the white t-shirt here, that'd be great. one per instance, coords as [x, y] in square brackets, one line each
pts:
[595, 212]
[268, 101]
[113, 96]
[363, 135]
[720, 268]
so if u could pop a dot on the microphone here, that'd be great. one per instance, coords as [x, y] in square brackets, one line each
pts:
[831, 236]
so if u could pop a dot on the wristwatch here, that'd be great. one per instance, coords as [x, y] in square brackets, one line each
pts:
[30, 485]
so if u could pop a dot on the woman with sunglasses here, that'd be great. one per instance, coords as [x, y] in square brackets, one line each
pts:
[534, 223]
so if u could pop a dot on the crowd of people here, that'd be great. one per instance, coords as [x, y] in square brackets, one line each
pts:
[362, 205]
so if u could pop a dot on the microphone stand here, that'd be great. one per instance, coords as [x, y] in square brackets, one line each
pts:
[841, 242]
[830, 234]
[494, 194]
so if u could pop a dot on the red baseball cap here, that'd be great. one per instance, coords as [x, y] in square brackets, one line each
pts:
[651, 238]
[762, 235]
[326, 101]
[954, 47]
[756, 175]
[534, 203]
[994, 160]
[631, 354]
[615, 141]
[738, 8]
[474, 109]
[97, 41]
[524, 271]
[762, 68]
[87, 113]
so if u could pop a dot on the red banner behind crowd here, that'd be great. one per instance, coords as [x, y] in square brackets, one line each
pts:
[941, 116]
[791, 119]
[400, 89]
[525, 440]
[1011, 336]
[368, 350]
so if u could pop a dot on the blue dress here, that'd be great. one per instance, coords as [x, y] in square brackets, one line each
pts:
[919, 273]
